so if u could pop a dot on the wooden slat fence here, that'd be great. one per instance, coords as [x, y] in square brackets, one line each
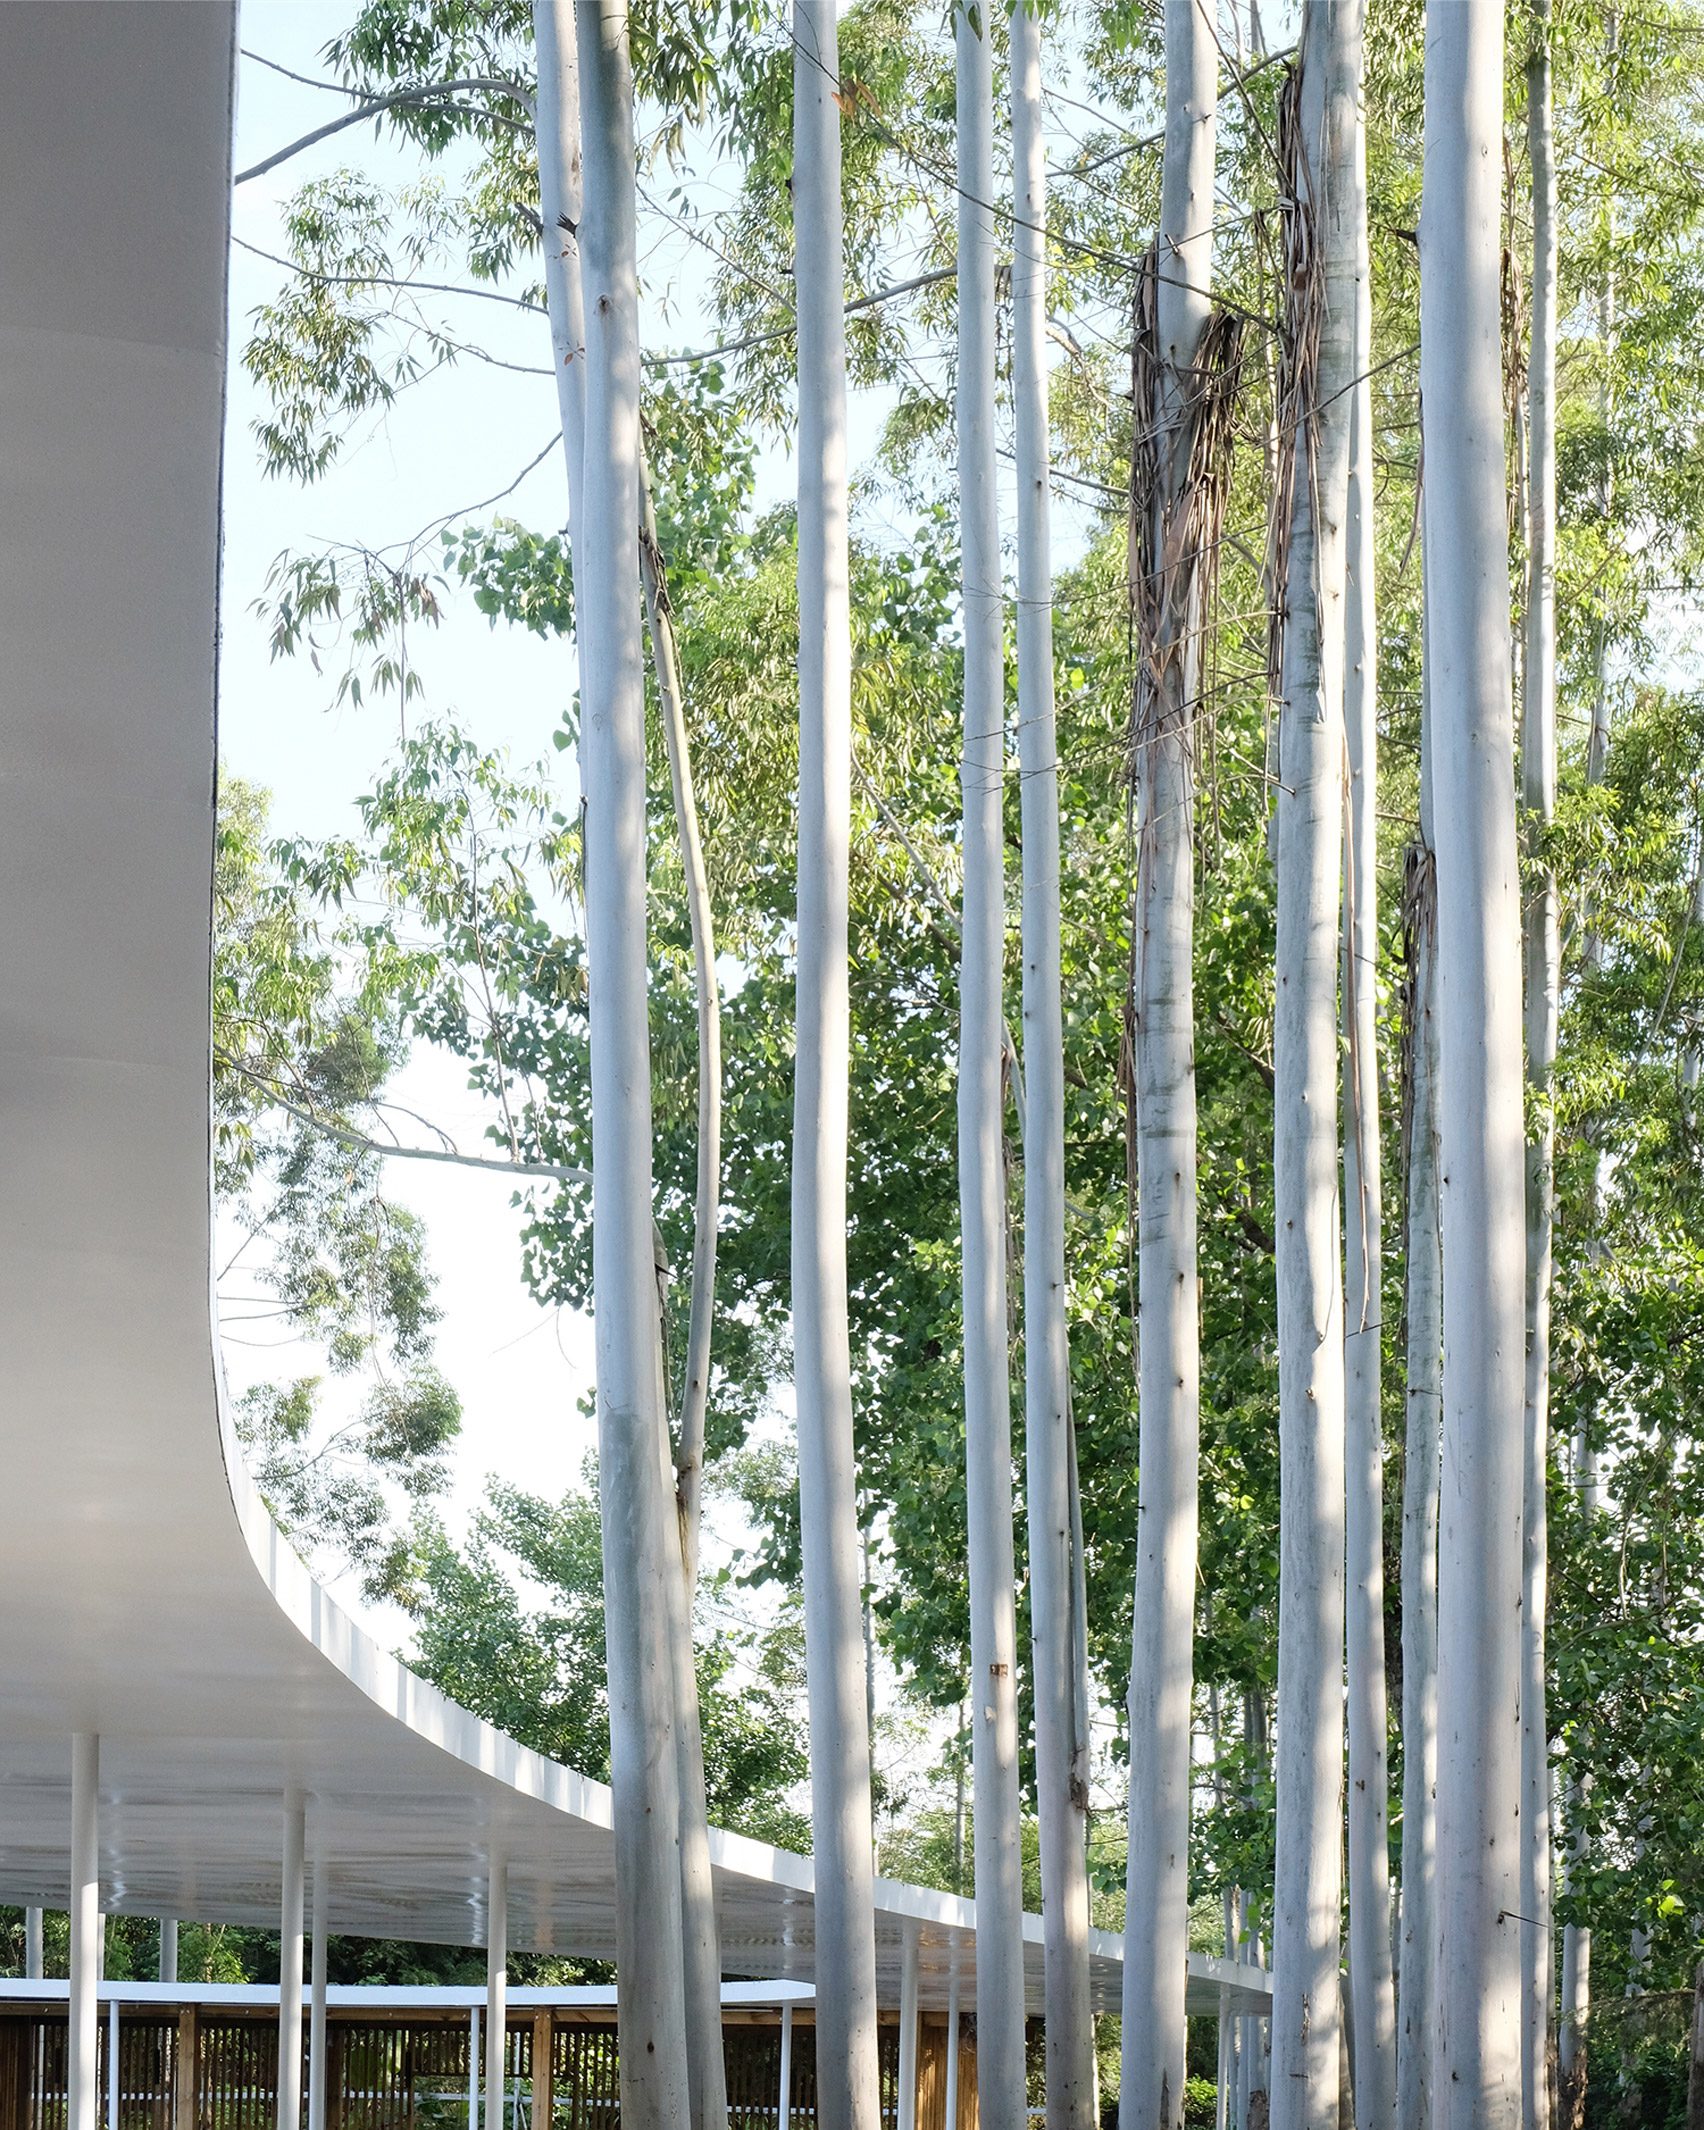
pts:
[398, 2074]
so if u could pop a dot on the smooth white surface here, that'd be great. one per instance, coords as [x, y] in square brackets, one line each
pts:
[146, 1593]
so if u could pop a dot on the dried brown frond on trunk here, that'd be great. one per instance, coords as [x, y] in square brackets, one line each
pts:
[1176, 526]
[1301, 318]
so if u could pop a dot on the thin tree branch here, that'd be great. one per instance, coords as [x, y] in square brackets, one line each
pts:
[428, 93]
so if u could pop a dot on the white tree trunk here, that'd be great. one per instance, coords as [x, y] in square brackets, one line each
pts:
[1417, 2001]
[848, 2098]
[1156, 1929]
[1477, 2071]
[982, 1180]
[1307, 2006]
[641, 1554]
[1372, 2002]
[1060, 1751]
[557, 117]
[1543, 990]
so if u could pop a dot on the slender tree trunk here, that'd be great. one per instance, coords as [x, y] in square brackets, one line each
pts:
[981, 1106]
[1543, 989]
[1156, 1931]
[695, 1387]
[828, 1506]
[1060, 1750]
[1417, 2002]
[1319, 416]
[561, 210]
[1372, 2000]
[640, 1552]
[1478, 2067]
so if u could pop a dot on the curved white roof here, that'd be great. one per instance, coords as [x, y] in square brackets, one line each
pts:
[144, 1591]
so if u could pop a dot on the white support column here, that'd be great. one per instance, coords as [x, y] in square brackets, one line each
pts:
[316, 2007]
[112, 2064]
[168, 1949]
[784, 2110]
[82, 2091]
[290, 1966]
[496, 1991]
[908, 2031]
[951, 2110]
[33, 1961]
[473, 2070]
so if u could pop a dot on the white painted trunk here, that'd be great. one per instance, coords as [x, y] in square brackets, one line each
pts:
[1417, 1999]
[1060, 1750]
[1543, 974]
[1156, 1931]
[1307, 2002]
[1477, 2070]
[641, 1553]
[1002, 2099]
[1372, 2000]
[840, 1732]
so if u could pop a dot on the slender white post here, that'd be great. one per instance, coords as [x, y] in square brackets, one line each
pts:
[848, 2089]
[33, 1958]
[1061, 1756]
[951, 2110]
[112, 2064]
[473, 2069]
[82, 2097]
[316, 2004]
[290, 1965]
[908, 2032]
[168, 1961]
[641, 1541]
[784, 2109]
[496, 1990]
[981, 1102]
[1477, 2083]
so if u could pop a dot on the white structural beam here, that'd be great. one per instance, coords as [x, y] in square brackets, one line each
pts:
[908, 2034]
[168, 1964]
[86, 1929]
[33, 1961]
[290, 1965]
[496, 1990]
[316, 2003]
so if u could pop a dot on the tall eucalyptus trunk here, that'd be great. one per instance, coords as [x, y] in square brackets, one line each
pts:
[1318, 413]
[1543, 981]
[1423, 1432]
[1060, 1747]
[641, 1554]
[1477, 2069]
[847, 2097]
[1372, 2002]
[1001, 2092]
[1162, 1011]
[561, 206]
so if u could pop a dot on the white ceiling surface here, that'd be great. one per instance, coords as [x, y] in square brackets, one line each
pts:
[144, 1593]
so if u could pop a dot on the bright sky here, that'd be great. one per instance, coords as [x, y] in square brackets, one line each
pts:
[448, 442]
